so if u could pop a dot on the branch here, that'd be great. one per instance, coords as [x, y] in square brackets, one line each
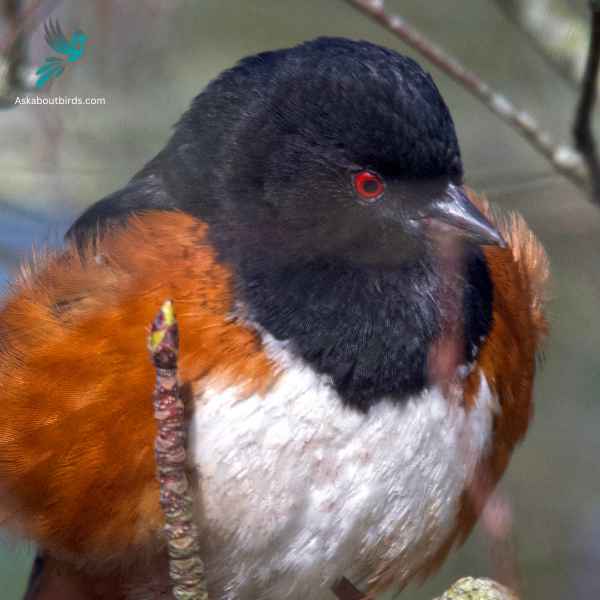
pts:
[563, 158]
[561, 37]
[185, 565]
[469, 588]
[13, 57]
[24, 20]
[16, 75]
[558, 33]
[582, 128]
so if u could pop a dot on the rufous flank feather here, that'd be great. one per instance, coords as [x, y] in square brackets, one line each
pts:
[77, 467]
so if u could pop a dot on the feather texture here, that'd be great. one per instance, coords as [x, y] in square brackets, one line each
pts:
[76, 438]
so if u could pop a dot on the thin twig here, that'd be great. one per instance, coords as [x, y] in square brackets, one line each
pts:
[13, 59]
[582, 128]
[29, 19]
[555, 30]
[467, 588]
[563, 158]
[185, 565]
[16, 75]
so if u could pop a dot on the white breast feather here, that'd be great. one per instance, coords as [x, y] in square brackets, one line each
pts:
[297, 490]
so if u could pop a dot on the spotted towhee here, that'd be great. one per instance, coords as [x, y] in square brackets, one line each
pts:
[358, 341]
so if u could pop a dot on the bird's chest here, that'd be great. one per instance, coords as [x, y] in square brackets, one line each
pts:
[296, 490]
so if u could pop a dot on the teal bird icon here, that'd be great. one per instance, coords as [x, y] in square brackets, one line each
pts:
[73, 50]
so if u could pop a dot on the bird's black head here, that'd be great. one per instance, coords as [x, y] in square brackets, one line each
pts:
[327, 174]
[332, 148]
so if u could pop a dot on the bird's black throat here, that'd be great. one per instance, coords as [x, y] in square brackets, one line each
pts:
[368, 329]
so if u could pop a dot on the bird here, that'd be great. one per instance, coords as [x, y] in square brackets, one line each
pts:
[360, 333]
[73, 51]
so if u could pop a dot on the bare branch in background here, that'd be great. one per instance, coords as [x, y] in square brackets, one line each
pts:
[16, 75]
[185, 565]
[14, 55]
[563, 158]
[561, 36]
[582, 128]
[28, 18]
[558, 33]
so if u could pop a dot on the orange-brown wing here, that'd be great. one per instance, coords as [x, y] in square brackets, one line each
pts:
[77, 429]
[509, 355]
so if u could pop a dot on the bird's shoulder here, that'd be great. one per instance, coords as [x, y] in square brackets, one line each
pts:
[113, 286]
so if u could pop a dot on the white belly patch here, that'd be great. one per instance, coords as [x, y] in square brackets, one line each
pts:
[297, 490]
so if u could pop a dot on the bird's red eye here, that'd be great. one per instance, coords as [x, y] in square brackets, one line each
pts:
[368, 185]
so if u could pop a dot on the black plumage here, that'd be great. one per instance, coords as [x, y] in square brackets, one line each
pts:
[266, 156]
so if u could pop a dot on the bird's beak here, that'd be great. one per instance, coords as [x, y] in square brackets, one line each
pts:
[454, 213]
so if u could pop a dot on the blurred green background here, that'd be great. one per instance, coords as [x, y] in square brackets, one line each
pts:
[149, 58]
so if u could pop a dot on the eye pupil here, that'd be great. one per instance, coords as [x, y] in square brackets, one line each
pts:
[368, 185]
